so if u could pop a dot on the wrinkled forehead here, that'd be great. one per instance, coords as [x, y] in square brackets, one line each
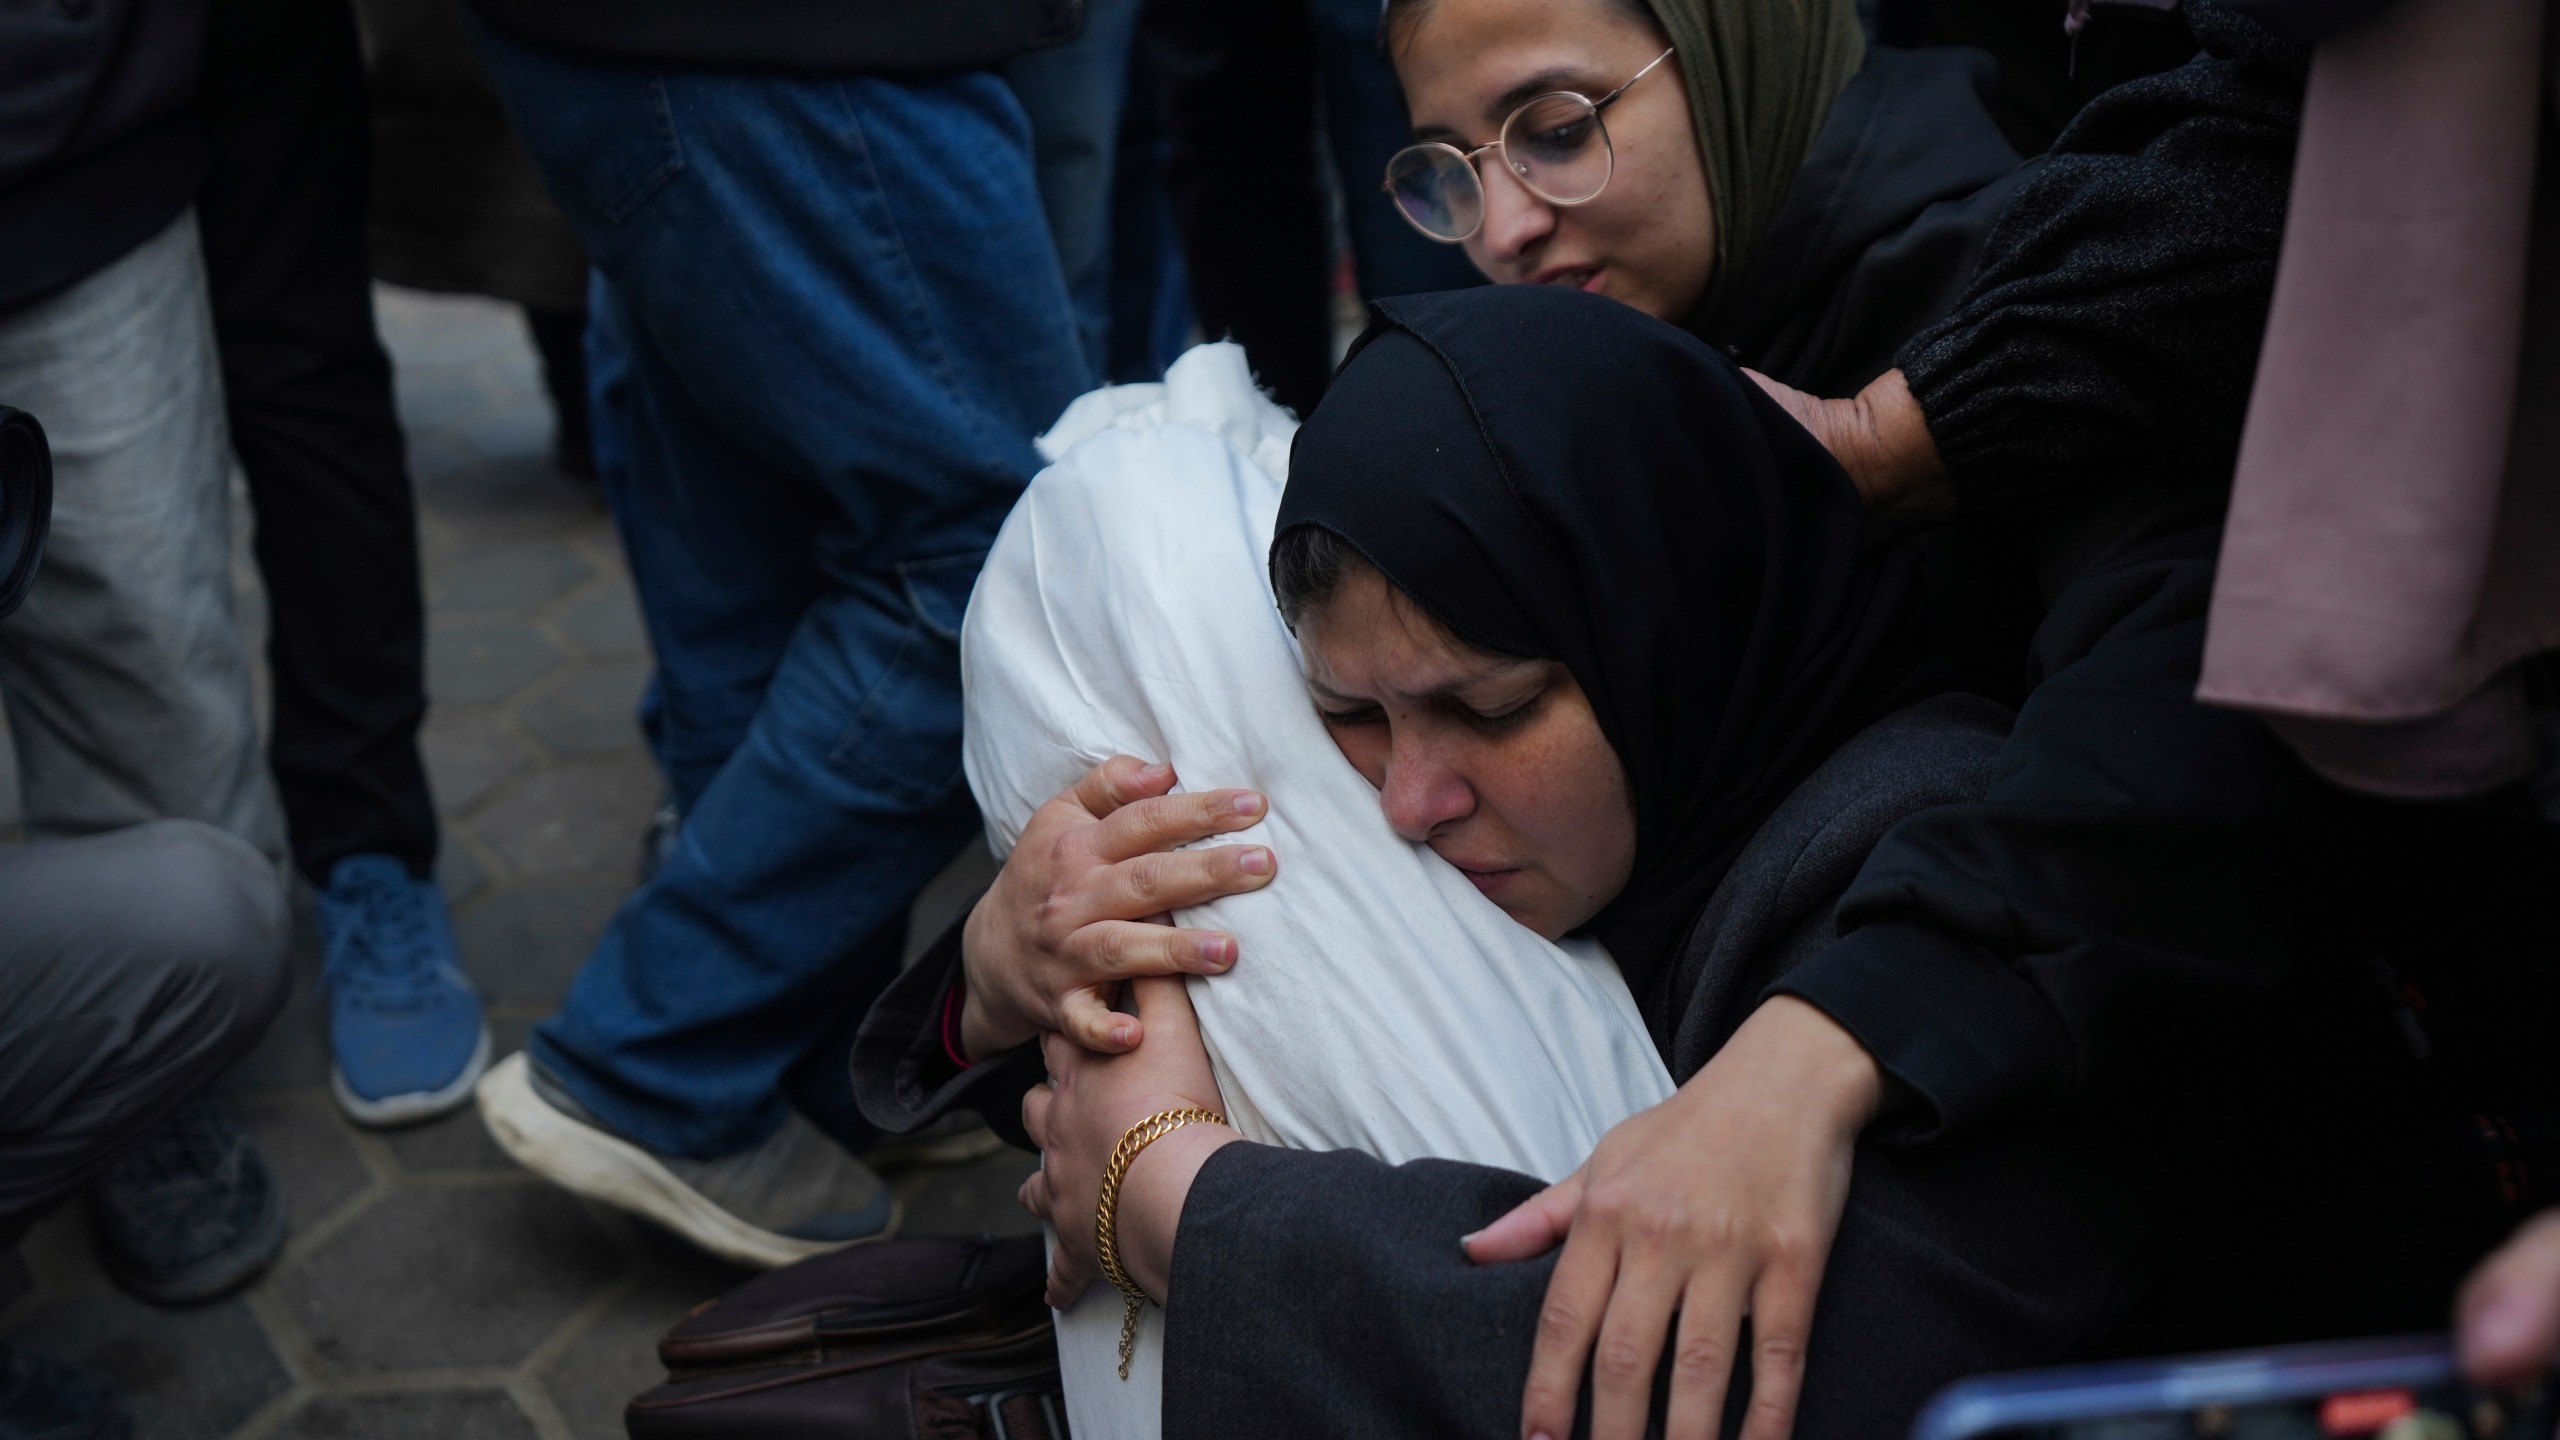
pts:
[1369, 640]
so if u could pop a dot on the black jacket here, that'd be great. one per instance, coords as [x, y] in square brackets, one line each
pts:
[98, 141]
[817, 36]
[2111, 332]
[1881, 231]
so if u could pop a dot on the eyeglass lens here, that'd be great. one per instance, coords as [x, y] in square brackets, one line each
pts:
[1555, 146]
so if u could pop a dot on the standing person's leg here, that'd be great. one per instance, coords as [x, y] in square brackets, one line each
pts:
[1073, 94]
[1365, 123]
[844, 322]
[1247, 196]
[311, 414]
[126, 683]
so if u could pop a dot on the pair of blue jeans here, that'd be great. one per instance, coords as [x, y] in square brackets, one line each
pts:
[842, 321]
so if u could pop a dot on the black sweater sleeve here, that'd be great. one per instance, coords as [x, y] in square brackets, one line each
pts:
[2119, 890]
[903, 1076]
[2112, 327]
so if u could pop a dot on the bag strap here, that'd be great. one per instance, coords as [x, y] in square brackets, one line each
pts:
[1032, 1412]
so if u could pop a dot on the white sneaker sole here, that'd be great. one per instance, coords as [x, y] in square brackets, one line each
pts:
[604, 1167]
[395, 1110]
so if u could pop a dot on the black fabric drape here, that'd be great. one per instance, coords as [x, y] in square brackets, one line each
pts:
[1553, 474]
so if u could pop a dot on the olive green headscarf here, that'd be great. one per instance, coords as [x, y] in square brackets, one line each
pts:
[1762, 75]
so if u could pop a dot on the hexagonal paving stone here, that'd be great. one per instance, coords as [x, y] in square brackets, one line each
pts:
[306, 1143]
[511, 499]
[587, 707]
[517, 577]
[409, 1415]
[460, 872]
[449, 1276]
[295, 1049]
[606, 622]
[428, 330]
[526, 944]
[470, 750]
[473, 661]
[190, 1374]
[617, 1357]
[580, 817]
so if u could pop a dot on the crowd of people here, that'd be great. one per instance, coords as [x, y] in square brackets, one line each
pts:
[1921, 742]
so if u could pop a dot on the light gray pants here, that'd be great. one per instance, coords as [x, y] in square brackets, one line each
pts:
[126, 683]
[134, 967]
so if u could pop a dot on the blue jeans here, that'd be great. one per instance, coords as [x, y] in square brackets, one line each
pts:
[843, 322]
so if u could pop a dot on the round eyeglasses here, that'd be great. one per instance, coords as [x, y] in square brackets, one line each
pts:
[1555, 145]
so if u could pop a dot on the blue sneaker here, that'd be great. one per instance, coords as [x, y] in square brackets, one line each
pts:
[405, 1028]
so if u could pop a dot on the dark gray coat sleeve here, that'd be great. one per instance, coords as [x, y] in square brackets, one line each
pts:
[903, 1076]
[1324, 1293]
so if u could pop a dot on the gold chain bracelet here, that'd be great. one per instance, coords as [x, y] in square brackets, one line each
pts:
[1106, 1213]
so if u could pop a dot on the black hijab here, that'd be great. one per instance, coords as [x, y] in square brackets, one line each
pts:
[1556, 475]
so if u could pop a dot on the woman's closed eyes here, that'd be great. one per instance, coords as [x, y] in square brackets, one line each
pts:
[1489, 723]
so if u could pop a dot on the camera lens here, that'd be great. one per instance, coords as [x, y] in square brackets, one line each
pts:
[26, 503]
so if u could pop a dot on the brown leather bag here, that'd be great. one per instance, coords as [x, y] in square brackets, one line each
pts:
[932, 1337]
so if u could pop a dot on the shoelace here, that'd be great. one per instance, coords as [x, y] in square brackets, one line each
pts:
[195, 1141]
[386, 951]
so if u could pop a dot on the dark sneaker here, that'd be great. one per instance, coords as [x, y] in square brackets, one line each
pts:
[189, 1212]
[798, 1194]
[43, 1399]
[406, 1036]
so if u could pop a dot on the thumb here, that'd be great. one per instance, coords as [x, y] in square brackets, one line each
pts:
[1534, 1226]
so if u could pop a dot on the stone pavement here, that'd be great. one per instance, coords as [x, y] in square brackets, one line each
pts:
[431, 1289]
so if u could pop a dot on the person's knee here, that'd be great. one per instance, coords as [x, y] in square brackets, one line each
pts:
[212, 910]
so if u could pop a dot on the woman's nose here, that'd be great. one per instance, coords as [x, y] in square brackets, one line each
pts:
[1515, 221]
[1421, 795]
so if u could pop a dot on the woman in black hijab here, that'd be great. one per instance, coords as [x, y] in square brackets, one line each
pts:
[1527, 527]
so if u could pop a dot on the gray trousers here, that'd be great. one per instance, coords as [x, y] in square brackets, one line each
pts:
[134, 967]
[126, 683]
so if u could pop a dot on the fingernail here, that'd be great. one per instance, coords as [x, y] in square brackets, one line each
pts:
[1120, 1035]
[1468, 1239]
[1256, 861]
[1248, 803]
[1217, 952]
[1155, 769]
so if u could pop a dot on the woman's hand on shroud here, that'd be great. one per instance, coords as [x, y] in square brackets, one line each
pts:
[1878, 435]
[2507, 1323]
[1069, 915]
[1077, 1120]
[1719, 1202]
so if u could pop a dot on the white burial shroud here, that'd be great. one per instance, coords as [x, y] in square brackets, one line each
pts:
[1381, 1003]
